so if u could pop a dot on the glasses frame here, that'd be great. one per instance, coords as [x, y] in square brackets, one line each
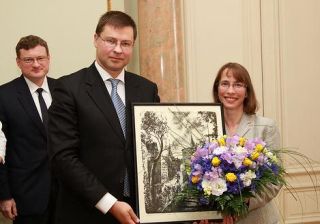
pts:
[112, 43]
[32, 60]
[237, 86]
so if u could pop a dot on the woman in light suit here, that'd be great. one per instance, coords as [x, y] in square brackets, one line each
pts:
[233, 88]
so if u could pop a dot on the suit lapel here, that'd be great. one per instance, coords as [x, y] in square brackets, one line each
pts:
[25, 98]
[50, 83]
[98, 92]
[132, 95]
[132, 91]
[246, 124]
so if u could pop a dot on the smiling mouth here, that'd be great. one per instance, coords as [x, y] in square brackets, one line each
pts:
[229, 99]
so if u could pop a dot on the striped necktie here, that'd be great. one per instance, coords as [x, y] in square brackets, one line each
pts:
[121, 112]
[118, 104]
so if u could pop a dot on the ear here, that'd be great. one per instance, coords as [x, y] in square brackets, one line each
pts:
[18, 61]
[95, 39]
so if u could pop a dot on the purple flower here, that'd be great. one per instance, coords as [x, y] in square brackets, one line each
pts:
[235, 187]
[197, 167]
[212, 146]
[203, 201]
[259, 141]
[227, 157]
[250, 145]
[275, 169]
[214, 174]
[227, 167]
[201, 152]
[232, 141]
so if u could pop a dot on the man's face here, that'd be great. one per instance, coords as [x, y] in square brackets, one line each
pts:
[114, 48]
[34, 64]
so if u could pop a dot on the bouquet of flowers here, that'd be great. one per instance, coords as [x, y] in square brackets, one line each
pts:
[228, 171]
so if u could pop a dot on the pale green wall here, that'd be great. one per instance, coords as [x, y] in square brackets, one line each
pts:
[67, 26]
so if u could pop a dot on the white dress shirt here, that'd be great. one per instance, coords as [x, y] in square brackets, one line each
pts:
[3, 142]
[105, 76]
[45, 93]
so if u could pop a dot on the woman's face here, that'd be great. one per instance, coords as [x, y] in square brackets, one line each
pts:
[231, 92]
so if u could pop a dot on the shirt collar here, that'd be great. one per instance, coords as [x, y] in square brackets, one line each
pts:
[105, 75]
[33, 87]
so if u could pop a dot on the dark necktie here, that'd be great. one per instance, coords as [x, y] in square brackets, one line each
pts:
[43, 107]
[121, 112]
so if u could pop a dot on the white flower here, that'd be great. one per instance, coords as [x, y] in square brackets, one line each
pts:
[206, 185]
[215, 186]
[220, 150]
[271, 156]
[237, 161]
[219, 186]
[247, 177]
[240, 150]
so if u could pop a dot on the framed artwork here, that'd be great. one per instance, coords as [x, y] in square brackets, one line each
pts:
[165, 137]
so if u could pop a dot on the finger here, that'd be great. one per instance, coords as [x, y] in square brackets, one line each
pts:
[235, 218]
[230, 220]
[227, 220]
[14, 209]
[133, 216]
[8, 214]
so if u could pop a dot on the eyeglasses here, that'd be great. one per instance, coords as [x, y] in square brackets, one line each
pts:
[236, 86]
[111, 43]
[29, 61]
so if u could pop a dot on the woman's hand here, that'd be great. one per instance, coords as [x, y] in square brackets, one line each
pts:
[229, 219]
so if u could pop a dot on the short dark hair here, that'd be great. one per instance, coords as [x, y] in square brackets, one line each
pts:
[240, 73]
[29, 42]
[116, 19]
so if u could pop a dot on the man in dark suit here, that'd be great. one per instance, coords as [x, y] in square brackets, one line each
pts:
[25, 178]
[90, 130]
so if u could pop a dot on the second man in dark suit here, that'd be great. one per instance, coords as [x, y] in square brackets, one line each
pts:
[25, 180]
[90, 131]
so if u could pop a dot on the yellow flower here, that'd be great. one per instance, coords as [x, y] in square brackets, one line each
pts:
[247, 162]
[231, 177]
[195, 179]
[215, 161]
[221, 141]
[255, 155]
[259, 148]
[242, 141]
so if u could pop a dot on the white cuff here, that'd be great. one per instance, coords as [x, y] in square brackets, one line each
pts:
[106, 202]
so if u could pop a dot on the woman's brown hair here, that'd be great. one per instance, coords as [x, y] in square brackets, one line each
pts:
[240, 73]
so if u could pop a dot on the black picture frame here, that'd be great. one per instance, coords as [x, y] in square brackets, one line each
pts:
[165, 136]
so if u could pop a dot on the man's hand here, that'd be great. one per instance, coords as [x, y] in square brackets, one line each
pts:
[8, 208]
[124, 213]
[205, 222]
[1, 159]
